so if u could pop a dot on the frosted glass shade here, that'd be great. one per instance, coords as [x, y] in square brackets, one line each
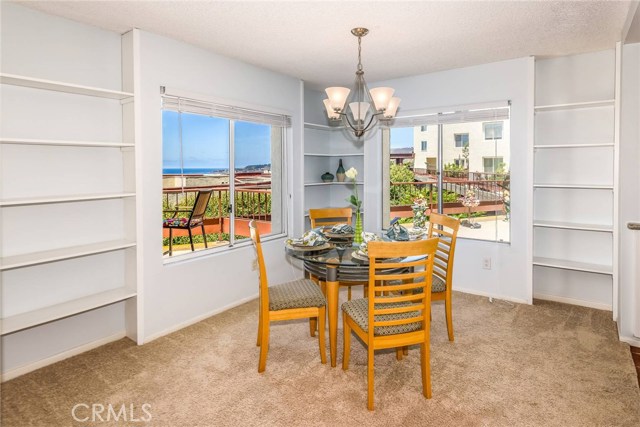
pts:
[392, 108]
[381, 97]
[359, 110]
[337, 97]
[332, 114]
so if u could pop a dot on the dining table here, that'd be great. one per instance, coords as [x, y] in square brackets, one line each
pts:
[334, 263]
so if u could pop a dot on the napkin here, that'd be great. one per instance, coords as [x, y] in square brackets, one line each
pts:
[310, 238]
[366, 238]
[342, 229]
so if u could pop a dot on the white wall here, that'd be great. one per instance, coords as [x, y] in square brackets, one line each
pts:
[180, 292]
[629, 319]
[510, 276]
[43, 46]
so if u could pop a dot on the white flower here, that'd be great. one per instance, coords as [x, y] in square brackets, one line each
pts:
[351, 173]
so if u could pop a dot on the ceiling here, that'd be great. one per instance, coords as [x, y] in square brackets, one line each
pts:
[311, 40]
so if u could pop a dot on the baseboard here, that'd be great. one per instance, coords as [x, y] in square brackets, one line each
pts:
[198, 319]
[632, 341]
[21, 370]
[490, 295]
[573, 301]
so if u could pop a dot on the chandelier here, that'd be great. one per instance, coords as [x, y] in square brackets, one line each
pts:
[365, 107]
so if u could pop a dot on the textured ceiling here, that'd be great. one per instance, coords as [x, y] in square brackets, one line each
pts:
[311, 40]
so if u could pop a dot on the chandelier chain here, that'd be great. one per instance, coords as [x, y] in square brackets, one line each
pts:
[359, 53]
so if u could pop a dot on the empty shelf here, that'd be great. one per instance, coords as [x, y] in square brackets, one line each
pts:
[576, 105]
[572, 265]
[16, 80]
[25, 260]
[37, 317]
[577, 186]
[70, 143]
[588, 145]
[573, 226]
[63, 199]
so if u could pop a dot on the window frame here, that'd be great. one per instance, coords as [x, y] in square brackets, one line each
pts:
[423, 145]
[455, 140]
[486, 125]
[285, 135]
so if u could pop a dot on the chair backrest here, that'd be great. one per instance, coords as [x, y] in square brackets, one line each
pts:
[330, 216]
[264, 284]
[446, 228]
[200, 206]
[414, 275]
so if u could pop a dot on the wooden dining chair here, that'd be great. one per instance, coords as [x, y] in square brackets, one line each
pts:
[298, 299]
[330, 216]
[327, 217]
[446, 228]
[394, 315]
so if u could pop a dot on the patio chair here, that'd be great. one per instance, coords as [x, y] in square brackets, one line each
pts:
[299, 299]
[194, 219]
[388, 318]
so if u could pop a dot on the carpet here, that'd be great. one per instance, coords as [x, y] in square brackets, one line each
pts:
[511, 364]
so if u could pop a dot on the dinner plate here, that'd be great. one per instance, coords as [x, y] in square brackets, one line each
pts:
[299, 247]
[331, 235]
[360, 255]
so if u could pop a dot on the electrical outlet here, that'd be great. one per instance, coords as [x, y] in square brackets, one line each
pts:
[486, 263]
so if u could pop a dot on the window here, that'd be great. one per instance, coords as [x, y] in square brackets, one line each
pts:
[492, 164]
[423, 145]
[493, 130]
[235, 152]
[464, 176]
[423, 128]
[461, 139]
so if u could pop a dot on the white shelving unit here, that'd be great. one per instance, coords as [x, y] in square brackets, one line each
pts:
[575, 180]
[324, 146]
[83, 213]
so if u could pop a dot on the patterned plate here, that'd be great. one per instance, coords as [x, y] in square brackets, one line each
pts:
[360, 255]
[321, 247]
[341, 236]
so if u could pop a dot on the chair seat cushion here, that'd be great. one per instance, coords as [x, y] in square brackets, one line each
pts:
[175, 222]
[358, 310]
[300, 293]
[437, 284]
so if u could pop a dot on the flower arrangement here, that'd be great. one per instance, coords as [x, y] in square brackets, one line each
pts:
[355, 201]
[419, 209]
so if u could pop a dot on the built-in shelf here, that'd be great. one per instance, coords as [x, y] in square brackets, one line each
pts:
[575, 186]
[597, 144]
[25, 260]
[59, 311]
[572, 265]
[573, 226]
[12, 79]
[576, 105]
[312, 184]
[55, 142]
[63, 199]
[334, 155]
[322, 127]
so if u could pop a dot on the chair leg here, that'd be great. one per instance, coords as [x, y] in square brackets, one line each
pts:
[259, 328]
[313, 322]
[370, 376]
[346, 347]
[204, 235]
[425, 368]
[322, 315]
[447, 309]
[170, 241]
[191, 239]
[398, 353]
[405, 350]
[264, 346]
[349, 294]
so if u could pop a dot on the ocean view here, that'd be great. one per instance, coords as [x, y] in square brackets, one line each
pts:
[192, 171]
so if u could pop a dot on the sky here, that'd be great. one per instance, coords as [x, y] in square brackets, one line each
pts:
[401, 137]
[205, 142]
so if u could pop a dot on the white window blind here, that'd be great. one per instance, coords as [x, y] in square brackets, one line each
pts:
[186, 105]
[462, 115]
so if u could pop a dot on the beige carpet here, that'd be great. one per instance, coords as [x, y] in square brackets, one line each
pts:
[511, 365]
